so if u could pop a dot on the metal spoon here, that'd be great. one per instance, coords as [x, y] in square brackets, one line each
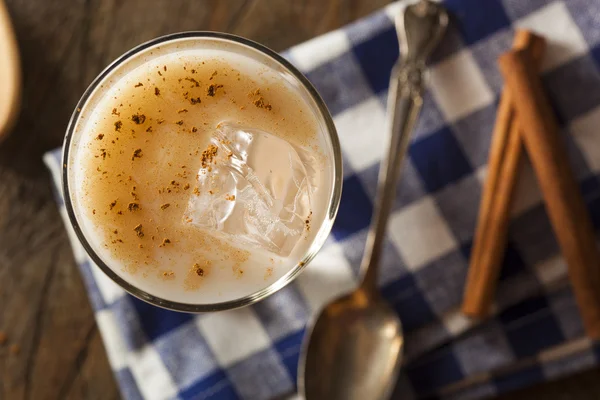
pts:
[354, 348]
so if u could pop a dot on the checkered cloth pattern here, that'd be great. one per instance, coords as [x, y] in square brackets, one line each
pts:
[536, 333]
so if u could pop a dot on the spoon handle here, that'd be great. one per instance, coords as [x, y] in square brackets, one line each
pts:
[404, 103]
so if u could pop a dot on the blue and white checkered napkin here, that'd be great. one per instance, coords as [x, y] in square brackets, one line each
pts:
[536, 335]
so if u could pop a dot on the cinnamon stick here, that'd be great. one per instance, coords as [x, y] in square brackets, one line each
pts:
[492, 224]
[564, 202]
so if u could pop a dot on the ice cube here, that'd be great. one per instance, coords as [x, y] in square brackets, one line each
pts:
[254, 188]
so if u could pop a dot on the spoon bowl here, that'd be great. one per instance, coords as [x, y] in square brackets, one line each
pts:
[354, 321]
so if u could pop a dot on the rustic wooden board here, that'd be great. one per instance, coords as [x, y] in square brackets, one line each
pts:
[64, 44]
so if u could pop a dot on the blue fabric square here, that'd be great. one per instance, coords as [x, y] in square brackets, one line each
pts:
[487, 51]
[127, 319]
[157, 321]
[431, 118]
[91, 286]
[532, 235]
[289, 352]
[355, 209]
[341, 83]
[216, 386]
[517, 9]
[522, 378]
[491, 342]
[186, 355]
[129, 389]
[592, 197]
[476, 21]
[272, 381]
[524, 323]
[409, 303]
[439, 159]
[277, 323]
[410, 188]
[384, 48]
[574, 88]
[512, 264]
[474, 133]
[564, 306]
[391, 265]
[459, 205]
[442, 281]
[434, 371]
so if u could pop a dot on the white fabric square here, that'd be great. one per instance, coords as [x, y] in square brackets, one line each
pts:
[551, 271]
[564, 39]
[309, 55]
[79, 252]
[585, 130]
[233, 335]
[456, 322]
[458, 86]
[327, 276]
[113, 341]
[420, 233]
[152, 377]
[362, 133]
[394, 10]
[109, 290]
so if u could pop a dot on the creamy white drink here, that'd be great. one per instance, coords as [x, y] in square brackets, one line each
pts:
[198, 174]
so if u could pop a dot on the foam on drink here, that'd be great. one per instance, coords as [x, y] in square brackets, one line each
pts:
[199, 176]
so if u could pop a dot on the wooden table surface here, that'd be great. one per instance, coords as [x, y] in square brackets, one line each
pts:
[54, 350]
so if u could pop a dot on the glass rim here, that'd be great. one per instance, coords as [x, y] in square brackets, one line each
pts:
[321, 235]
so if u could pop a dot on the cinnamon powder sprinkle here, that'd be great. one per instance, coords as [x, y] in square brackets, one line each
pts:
[114, 112]
[138, 231]
[194, 129]
[208, 155]
[180, 122]
[195, 101]
[133, 207]
[230, 197]
[118, 126]
[196, 191]
[183, 110]
[138, 118]
[168, 275]
[186, 186]
[260, 103]
[195, 82]
[165, 206]
[156, 91]
[100, 136]
[112, 205]
[165, 241]
[212, 89]
[136, 154]
[139, 84]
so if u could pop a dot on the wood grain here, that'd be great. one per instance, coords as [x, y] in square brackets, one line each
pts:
[64, 44]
